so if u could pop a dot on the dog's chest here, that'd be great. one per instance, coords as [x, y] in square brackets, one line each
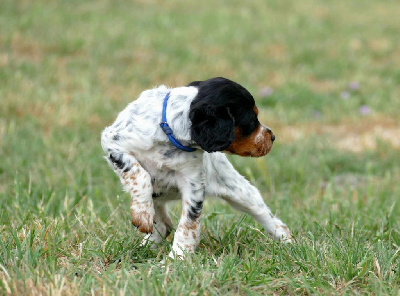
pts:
[166, 164]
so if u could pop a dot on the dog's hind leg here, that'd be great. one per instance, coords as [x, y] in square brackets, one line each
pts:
[225, 182]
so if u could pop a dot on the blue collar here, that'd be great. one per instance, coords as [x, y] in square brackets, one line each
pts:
[168, 131]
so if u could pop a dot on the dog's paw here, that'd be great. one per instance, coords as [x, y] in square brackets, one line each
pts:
[153, 240]
[177, 254]
[282, 233]
[143, 216]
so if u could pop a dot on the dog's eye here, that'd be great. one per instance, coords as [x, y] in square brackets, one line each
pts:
[249, 128]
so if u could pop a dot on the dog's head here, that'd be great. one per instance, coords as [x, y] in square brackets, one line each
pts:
[224, 118]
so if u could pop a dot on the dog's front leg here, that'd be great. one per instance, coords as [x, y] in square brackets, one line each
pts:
[137, 182]
[224, 181]
[187, 235]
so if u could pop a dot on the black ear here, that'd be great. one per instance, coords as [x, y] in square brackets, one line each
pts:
[213, 128]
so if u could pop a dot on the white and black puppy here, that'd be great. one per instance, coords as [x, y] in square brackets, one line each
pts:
[169, 144]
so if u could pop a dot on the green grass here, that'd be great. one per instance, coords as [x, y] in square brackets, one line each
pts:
[68, 67]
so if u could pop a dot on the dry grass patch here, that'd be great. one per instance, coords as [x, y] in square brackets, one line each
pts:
[319, 85]
[347, 135]
[59, 286]
[23, 48]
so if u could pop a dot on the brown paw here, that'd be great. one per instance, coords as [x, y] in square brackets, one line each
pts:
[143, 216]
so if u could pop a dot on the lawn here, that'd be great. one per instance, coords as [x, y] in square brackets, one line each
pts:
[326, 78]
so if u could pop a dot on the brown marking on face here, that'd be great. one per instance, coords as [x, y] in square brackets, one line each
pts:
[255, 109]
[259, 143]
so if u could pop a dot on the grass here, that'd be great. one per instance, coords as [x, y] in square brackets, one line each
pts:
[68, 67]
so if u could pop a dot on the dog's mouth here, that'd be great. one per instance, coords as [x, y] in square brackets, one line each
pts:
[261, 151]
[258, 144]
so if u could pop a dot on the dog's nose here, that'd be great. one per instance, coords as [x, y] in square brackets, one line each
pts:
[273, 138]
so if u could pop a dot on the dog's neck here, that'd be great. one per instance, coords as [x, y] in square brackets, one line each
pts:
[178, 112]
[168, 131]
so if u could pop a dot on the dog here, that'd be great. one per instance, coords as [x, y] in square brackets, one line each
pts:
[170, 143]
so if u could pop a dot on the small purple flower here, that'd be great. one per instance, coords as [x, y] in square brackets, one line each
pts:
[316, 114]
[266, 92]
[345, 95]
[354, 85]
[365, 110]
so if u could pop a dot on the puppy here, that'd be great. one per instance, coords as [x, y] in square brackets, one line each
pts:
[170, 143]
